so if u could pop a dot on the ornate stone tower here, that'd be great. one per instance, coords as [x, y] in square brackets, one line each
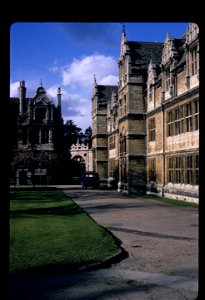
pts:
[101, 98]
[133, 65]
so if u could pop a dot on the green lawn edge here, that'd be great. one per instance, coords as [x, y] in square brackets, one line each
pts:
[49, 231]
[171, 201]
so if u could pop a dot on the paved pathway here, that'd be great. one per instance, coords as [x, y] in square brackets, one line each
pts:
[162, 245]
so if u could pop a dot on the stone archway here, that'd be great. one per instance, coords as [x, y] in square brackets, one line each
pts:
[83, 153]
[81, 162]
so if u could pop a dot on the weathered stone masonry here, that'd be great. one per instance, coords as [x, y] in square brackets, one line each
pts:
[145, 130]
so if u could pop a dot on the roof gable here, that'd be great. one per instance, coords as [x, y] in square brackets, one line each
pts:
[142, 52]
[41, 100]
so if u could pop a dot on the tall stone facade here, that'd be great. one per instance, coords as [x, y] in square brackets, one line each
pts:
[39, 128]
[101, 98]
[146, 129]
[173, 119]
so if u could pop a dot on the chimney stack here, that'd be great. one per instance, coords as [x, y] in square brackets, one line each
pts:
[22, 96]
[59, 98]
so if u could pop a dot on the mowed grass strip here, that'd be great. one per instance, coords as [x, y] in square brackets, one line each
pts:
[172, 201]
[48, 230]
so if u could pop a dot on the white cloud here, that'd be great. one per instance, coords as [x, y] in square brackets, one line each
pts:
[52, 91]
[109, 80]
[14, 89]
[76, 86]
[77, 81]
[80, 72]
[53, 69]
[75, 106]
[31, 87]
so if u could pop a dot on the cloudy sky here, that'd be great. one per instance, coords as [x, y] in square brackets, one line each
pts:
[67, 55]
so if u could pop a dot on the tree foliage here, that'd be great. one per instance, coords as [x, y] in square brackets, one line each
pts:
[71, 133]
[88, 136]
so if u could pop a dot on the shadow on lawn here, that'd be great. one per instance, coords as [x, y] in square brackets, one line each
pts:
[36, 196]
[70, 209]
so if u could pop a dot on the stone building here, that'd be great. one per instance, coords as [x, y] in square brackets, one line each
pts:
[172, 118]
[146, 129]
[101, 98]
[38, 124]
[83, 155]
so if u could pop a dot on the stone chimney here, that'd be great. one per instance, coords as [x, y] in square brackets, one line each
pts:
[59, 98]
[22, 96]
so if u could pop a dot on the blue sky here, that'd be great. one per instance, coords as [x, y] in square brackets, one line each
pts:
[67, 55]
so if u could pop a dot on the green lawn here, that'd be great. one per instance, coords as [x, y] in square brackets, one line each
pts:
[48, 230]
[172, 201]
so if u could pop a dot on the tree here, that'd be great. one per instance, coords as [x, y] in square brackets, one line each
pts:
[88, 137]
[72, 133]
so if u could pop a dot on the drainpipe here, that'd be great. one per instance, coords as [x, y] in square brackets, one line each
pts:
[163, 147]
[163, 126]
[146, 150]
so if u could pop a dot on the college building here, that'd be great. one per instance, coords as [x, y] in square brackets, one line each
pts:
[37, 124]
[146, 129]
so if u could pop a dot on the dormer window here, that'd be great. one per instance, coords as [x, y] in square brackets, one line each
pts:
[192, 32]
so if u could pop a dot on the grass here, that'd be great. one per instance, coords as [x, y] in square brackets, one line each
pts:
[172, 201]
[48, 231]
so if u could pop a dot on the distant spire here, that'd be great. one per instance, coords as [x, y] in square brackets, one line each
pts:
[41, 82]
[59, 90]
[123, 28]
[95, 86]
[124, 37]
[59, 98]
[95, 82]
[168, 36]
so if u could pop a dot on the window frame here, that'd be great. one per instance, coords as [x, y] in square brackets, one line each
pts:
[152, 169]
[183, 118]
[167, 79]
[193, 61]
[183, 169]
[152, 130]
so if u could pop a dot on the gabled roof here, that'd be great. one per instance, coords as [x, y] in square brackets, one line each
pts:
[142, 52]
[105, 92]
[41, 97]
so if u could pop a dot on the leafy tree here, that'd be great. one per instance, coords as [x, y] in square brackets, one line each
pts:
[88, 136]
[71, 133]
